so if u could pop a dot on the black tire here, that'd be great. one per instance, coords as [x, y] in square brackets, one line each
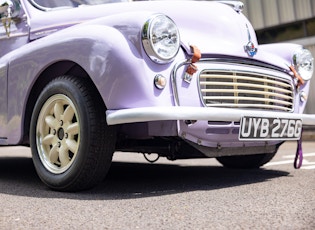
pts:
[246, 162]
[72, 145]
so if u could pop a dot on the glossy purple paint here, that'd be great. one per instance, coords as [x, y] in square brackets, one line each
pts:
[105, 42]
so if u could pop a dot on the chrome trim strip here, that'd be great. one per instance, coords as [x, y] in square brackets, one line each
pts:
[146, 114]
[173, 79]
[14, 35]
[56, 26]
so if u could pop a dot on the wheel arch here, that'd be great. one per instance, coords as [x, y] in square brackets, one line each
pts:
[84, 51]
[64, 67]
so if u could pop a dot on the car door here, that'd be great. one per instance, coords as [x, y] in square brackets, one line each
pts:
[14, 33]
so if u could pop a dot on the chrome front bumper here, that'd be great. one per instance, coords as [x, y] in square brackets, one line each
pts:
[146, 114]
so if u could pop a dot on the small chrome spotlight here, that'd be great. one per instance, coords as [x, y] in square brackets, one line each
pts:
[303, 96]
[160, 81]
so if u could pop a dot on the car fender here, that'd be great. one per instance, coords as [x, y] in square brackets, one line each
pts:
[286, 51]
[95, 49]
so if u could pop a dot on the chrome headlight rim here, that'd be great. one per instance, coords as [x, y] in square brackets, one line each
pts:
[303, 62]
[147, 36]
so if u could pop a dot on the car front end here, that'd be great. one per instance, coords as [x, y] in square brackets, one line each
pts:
[226, 95]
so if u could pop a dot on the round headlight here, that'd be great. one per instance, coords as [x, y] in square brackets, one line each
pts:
[304, 63]
[160, 39]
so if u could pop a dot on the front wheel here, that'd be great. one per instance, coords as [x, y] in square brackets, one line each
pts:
[246, 161]
[71, 144]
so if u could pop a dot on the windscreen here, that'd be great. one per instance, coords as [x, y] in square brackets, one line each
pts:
[70, 3]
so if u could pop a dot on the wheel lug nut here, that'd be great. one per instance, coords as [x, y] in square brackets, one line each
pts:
[54, 132]
[66, 135]
[59, 144]
[61, 123]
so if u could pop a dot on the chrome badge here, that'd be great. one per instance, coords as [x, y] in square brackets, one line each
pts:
[250, 48]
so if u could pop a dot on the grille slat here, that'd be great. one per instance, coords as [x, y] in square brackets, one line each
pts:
[240, 89]
[253, 106]
[252, 99]
[239, 77]
[245, 85]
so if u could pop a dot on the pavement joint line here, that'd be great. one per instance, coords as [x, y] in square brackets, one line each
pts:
[308, 167]
[304, 155]
[279, 163]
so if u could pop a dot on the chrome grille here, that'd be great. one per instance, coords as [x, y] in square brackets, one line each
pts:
[241, 89]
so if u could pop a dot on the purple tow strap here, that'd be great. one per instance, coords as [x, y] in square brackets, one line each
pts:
[299, 155]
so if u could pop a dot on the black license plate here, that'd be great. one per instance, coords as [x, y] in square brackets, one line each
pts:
[264, 128]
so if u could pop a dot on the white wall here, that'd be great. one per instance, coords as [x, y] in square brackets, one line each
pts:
[268, 13]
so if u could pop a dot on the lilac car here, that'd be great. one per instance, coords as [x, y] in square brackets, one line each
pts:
[81, 79]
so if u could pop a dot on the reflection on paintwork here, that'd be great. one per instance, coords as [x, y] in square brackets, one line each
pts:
[3, 100]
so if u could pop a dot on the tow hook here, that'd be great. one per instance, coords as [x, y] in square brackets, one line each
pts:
[148, 157]
[192, 68]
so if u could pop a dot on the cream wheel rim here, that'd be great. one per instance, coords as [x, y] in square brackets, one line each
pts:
[58, 133]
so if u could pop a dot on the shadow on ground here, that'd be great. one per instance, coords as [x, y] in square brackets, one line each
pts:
[131, 180]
